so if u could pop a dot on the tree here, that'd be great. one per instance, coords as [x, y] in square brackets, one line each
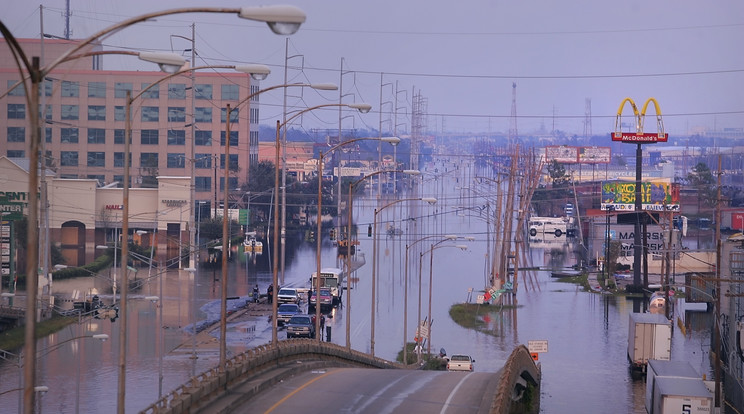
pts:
[701, 178]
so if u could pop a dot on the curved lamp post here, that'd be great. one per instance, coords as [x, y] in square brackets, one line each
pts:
[284, 20]
[446, 237]
[429, 200]
[364, 108]
[349, 209]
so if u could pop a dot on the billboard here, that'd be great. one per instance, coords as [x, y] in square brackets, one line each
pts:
[563, 154]
[656, 195]
[595, 155]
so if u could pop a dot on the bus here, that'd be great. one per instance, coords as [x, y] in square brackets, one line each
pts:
[330, 278]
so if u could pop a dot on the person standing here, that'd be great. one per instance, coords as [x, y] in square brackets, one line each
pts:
[270, 293]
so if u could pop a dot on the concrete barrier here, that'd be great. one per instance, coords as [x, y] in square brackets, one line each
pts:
[518, 390]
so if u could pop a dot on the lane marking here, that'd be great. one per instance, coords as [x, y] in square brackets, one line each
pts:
[280, 402]
[452, 394]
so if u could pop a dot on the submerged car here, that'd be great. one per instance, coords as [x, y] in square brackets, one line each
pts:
[300, 326]
[460, 362]
[286, 311]
[288, 295]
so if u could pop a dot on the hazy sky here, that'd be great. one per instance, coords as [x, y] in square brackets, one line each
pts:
[462, 57]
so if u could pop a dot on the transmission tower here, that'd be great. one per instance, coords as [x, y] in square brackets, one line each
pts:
[513, 135]
[588, 118]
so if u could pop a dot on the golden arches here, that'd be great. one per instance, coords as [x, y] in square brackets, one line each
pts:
[639, 117]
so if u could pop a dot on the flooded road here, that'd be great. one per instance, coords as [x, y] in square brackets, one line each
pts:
[585, 368]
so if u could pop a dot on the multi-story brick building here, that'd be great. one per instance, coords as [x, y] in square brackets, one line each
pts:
[173, 125]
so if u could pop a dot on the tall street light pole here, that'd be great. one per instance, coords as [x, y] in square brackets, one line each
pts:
[281, 20]
[349, 208]
[429, 200]
[364, 108]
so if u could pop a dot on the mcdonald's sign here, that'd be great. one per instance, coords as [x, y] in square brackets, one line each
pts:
[640, 137]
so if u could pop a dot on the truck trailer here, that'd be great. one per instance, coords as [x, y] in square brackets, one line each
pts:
[674, 395]
[659, 369]
[649, 337]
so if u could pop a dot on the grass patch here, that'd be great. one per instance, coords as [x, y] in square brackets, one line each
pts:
[430, 362]
[13, 339]
[581, 279]
[471, 315]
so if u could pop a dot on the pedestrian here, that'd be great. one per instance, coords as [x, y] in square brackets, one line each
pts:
[270, 293]
[255, 293]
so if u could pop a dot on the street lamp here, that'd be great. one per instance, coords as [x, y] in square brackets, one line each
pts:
[405, 291]
[284, 20]
[429, 200]
[431, 280]
[364, 108]
[349, 209]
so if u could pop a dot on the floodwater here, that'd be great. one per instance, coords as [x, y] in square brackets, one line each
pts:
[584, 370]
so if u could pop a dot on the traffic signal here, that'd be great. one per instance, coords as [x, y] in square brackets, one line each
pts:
[333, 234]
[369, 230]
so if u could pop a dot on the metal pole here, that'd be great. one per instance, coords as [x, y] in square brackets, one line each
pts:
[121, 394]
[405, 311]
[284, 163]
[348, 268]
[374, 268]
[318, 245]
[192, 184]
[274, 340]
[225, 246]
[637, 243]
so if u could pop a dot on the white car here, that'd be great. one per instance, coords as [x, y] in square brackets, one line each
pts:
[288, 295]
[459, 362]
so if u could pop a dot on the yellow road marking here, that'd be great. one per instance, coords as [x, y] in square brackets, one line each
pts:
[280, 402]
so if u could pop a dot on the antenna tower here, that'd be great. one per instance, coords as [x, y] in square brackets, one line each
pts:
[588, 118]
[513, 136]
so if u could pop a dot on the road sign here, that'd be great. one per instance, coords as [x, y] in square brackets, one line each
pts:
[640, 137]
[537, 346]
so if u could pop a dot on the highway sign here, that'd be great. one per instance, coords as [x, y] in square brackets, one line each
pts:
[537, 346]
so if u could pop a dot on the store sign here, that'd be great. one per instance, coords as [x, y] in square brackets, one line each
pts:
[11, 211]
[655, 196]
[114, 207]
[174, 203]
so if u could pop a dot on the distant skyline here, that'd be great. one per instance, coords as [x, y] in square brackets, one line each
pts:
[461, 58]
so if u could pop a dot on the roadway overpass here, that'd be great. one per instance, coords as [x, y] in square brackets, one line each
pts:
[314, 366]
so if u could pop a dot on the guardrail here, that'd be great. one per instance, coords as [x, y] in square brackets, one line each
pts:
[519, 386]
[209, 385]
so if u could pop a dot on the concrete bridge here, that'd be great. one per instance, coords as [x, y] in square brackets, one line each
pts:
[250, 373]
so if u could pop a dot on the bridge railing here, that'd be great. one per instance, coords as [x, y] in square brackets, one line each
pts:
[209, 384]
[519, 384]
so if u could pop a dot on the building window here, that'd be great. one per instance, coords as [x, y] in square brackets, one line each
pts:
[120, 114]
[119, 159]
[69, 113]
[96, 136]
[229, 92]
[233, 115]
[118, 136]
[202, 184]
[233, 138]
[203, 91]
[150, 114]
[47, 88]
[233, 181]
[176, 91]
[149, 137]
[176, 160]
[16, 111]
[233, 162]
[48, 134]
[149, 160]
[69, 135]
[203, 138]
[152, 93]
[100, 178]
[18, 90]
[121, 88]
[253, 138]
[96, 89]
[203, 161]
[176, 137]
[96, 159]
[16, 134]
[70, 89]
[96, 113]
[16, 153]
[253, 116]
[202, 114]
[68, 159]
[176, 114]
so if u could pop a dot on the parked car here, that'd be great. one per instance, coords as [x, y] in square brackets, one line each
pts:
[286, 311]
[288, 295]
[300, 326]
[460, 362]
[326, 300]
